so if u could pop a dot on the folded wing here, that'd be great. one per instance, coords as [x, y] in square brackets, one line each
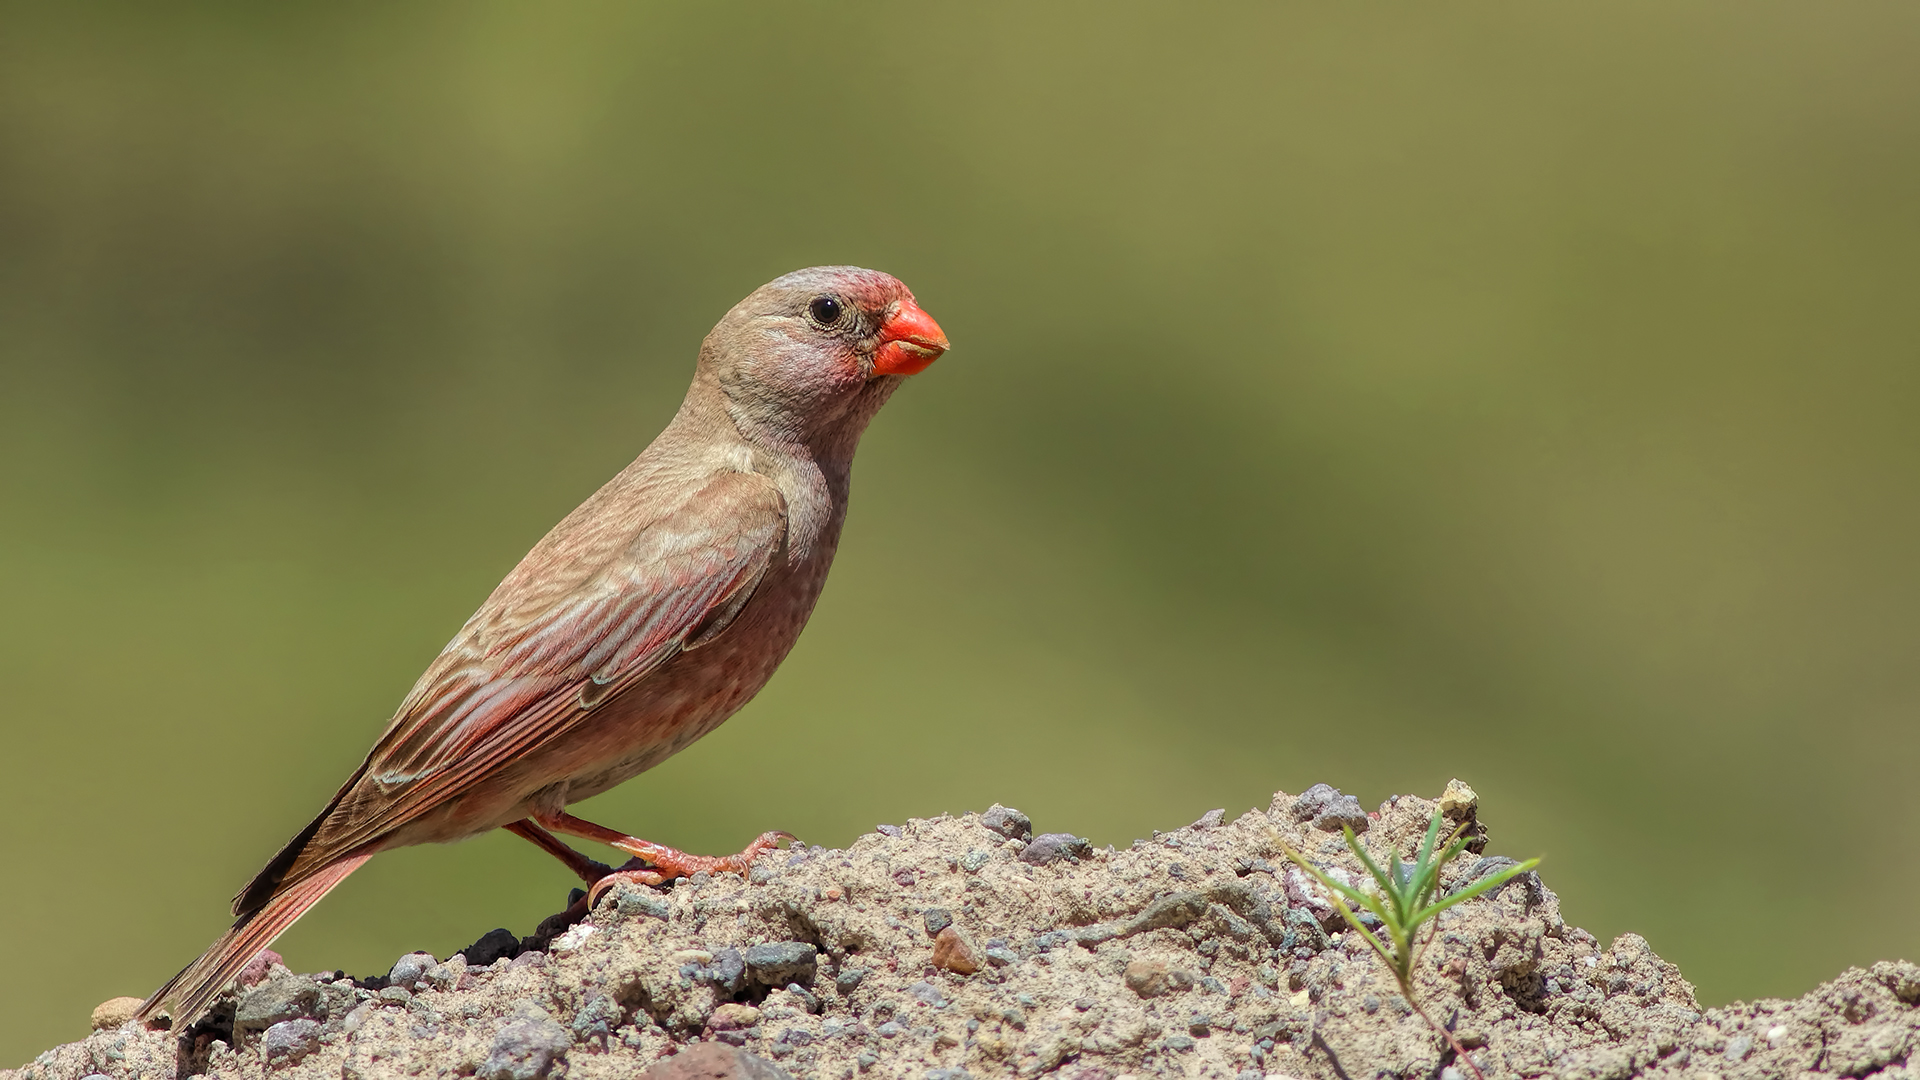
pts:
[527, 667]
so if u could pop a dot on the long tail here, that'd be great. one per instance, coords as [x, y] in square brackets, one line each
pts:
[187, 995]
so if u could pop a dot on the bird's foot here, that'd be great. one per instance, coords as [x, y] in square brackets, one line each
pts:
[674, 863]
[657, 864]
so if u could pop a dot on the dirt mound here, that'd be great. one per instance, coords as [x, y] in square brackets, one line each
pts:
[967, 946]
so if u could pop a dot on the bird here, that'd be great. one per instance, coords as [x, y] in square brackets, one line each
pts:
[641, 622]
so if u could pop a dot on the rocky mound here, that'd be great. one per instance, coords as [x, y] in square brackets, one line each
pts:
[968, 946]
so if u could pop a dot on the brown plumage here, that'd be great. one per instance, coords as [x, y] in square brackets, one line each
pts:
[640, 623]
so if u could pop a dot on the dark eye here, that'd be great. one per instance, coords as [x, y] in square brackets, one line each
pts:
[825, 310]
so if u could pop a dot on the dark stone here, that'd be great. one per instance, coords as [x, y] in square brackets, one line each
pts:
[1007, 821]
[937, 919]
[527, 1048]
[286, 1042]
[1209, 820]
[781, 962]
[493, 945]
[1050, 847]
[728, 970]
[848, 980]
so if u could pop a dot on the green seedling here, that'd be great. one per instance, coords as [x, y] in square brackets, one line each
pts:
[1402, 901]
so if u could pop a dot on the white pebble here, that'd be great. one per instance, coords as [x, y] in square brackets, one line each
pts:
[575, 937]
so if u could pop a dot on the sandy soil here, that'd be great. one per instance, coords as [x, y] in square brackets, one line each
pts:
[967, 946]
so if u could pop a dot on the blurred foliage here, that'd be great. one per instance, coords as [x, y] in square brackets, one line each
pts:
[1535, 384]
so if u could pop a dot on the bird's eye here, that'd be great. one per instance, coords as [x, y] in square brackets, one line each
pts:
[825, 310]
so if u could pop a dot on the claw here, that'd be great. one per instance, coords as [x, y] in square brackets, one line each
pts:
[639, 877]
[656, 864]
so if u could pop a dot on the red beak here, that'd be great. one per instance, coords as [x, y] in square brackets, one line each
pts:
[909, 341]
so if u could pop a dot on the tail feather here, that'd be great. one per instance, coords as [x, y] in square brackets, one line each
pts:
[186, 996]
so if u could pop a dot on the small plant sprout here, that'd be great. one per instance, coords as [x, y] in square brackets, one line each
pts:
[1402, 900]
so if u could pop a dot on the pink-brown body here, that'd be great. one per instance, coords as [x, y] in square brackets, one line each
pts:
[642, 621]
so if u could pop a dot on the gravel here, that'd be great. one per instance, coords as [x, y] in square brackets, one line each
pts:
[1094, 964]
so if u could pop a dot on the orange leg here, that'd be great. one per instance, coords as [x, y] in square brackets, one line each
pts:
[661, 863]
[589, 870]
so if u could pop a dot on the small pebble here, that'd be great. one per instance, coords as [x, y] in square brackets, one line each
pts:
[1147, 978]
[782, 962]
[287, 1042]
[1008, 822]
[410, 969]
[259, 967]
[1329, 810]
[955, 952]
[113, 1012]
[631, 900]
[1051, 847]
[733, 1016]
[805, 997]
[446, 975]
[285, 998]
[526, 1048]
[937, 919]
[575, 936]
[1458, 800]
[889, 830]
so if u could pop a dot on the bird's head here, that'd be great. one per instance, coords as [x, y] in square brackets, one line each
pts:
[820, 349]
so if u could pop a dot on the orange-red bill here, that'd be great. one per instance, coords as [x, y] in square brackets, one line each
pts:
[909, 341]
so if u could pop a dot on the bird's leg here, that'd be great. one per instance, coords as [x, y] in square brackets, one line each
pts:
[661, 863]
[589, 870]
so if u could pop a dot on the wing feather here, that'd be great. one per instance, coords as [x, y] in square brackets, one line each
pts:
[522, 672]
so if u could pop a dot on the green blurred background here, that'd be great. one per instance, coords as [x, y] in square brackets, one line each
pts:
[1519, 392]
